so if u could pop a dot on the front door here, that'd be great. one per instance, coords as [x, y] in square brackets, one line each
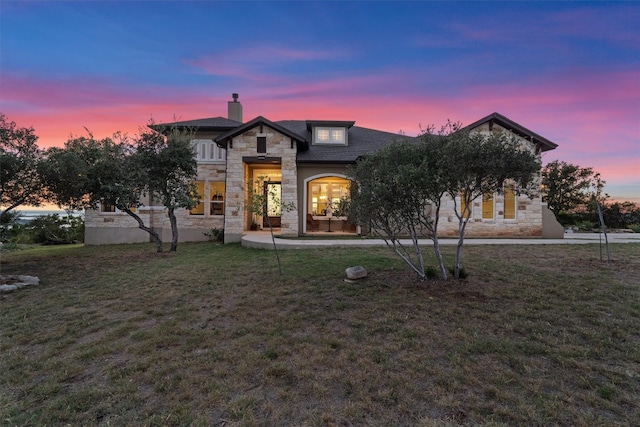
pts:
[273, 191]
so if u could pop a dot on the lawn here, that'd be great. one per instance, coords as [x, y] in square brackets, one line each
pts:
[213, 336]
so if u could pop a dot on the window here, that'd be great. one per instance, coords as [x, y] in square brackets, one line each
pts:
[262, 144]
[463, 206]
[206, 150]
[509, 202]
[214, 205]
[487, 206]
[327, 135]
[107, 207]
[216, 190]
[327, 192]
[199, 208]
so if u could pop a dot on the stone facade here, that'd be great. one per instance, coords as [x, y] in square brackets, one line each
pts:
[118, 227]
[244, 164]
[528, 221]
[528, 212]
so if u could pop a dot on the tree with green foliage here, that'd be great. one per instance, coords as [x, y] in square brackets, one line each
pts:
[88, 172]
[56, 230]
[567, 186]
[120, 172]
[165, 163]
[621, 214]
[480, 163]
[397, 191]
[9, 223]
[20, 156]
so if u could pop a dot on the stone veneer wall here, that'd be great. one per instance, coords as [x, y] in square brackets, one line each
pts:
[117, 227]
[528, 221]
[104, 228]
[191, 228]
[245, 145]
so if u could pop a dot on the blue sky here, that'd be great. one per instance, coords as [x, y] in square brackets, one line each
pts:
[569, 71]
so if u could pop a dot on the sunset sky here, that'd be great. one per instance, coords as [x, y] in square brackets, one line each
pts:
[569, 71]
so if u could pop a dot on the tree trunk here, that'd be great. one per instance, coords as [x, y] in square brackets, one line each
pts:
[273, 239]
[174, 230]
[461, 228]
[13, 206]
[436, 249]
[154, 235]
[436, 243]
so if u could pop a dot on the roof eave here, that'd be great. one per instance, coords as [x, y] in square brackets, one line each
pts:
[222, 140]
[540, 141]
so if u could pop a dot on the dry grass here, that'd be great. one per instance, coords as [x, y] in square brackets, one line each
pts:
[212, 335]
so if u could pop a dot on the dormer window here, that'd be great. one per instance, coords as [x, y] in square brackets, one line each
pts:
[329, 133]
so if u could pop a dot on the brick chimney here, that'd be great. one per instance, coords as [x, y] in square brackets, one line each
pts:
[235, 109]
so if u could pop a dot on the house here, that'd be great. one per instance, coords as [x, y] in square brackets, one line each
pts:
[305, 162]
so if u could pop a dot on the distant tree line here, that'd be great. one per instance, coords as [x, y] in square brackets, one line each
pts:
[572, 193]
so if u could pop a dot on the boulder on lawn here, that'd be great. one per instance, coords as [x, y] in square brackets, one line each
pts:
[13, 282]
[355, 273]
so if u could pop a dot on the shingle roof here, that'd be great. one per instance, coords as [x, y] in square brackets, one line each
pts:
[360, 141]
[208, 124]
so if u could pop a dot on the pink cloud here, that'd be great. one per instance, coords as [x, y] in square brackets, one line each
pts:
[594, 124]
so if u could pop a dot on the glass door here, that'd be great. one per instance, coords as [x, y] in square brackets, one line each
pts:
[273, 191]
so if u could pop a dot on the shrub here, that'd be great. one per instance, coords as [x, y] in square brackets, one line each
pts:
[215, 234]
[11, 246]
[586, 225]
[634, 227]
[8, 225]
[54, 230]
[463, 272]
[566, 218]
[431, 273]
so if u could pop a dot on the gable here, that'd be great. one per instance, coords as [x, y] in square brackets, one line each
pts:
[260, 122]
[542, 144]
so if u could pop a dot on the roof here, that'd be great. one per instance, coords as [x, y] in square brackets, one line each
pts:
[329, 123]
[300, 139]
[209, 124]
[499, 119]
[361, 141]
